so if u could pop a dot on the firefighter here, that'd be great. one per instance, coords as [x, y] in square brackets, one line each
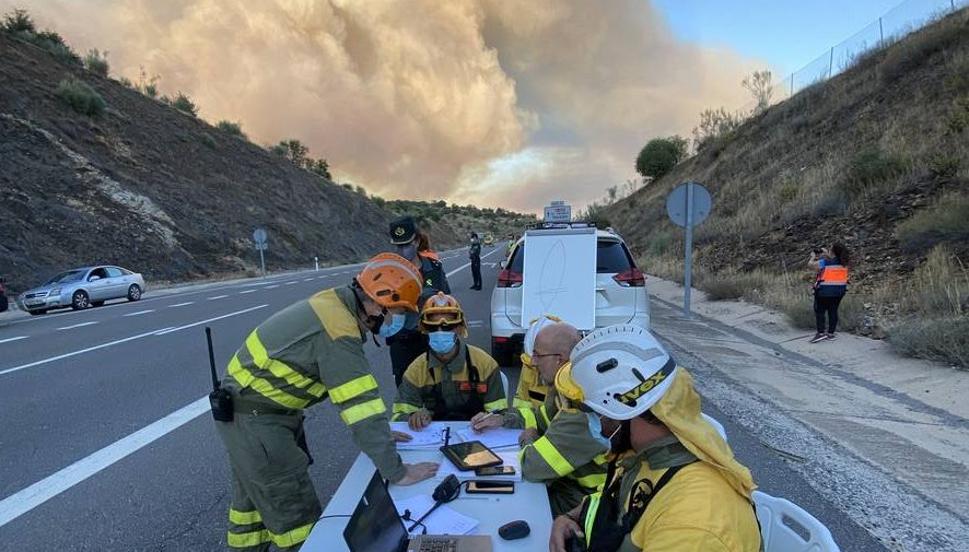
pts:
[310, 351]
[674, 483]
[531, 386]
[558, 447]
[454, 380]
[474, 252]
[412, 244]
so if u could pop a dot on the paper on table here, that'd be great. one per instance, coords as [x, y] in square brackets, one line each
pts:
[509, 457]
[443, 521]
[495, 437]
[431, 436]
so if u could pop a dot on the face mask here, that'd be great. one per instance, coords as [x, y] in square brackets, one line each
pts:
[396, 324]
[408, 251]
[441, 342]
[595, 428]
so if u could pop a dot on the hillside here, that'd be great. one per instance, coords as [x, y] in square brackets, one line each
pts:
[151, 188]
[877, 157]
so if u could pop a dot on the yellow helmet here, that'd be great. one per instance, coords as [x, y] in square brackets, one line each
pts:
[447, 312]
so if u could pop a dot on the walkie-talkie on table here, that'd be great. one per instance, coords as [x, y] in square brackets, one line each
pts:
[219, 398]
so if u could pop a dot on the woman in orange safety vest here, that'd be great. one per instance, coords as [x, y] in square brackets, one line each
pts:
[830, 287]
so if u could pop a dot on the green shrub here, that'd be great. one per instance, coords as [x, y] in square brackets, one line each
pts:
[958, 119]
[944, 165]
[729, 285]
[18, 21]
[235, 129]
[184, 104]
[81, 97]
[208, 140]
[944, 339]
[96, 62]
[946, 221]
[871, 167]
[659, 156]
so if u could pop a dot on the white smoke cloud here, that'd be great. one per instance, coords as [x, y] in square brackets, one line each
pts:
[494, 102]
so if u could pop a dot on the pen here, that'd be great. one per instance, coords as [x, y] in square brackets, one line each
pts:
[447, 435]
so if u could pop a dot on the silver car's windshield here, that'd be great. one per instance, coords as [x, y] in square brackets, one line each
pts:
[64, 277]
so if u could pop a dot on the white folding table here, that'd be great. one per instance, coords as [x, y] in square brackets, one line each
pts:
[530, 503]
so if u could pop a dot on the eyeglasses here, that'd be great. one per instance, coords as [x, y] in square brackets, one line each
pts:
[536, 355]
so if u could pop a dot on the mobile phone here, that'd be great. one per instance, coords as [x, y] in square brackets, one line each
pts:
[495, 470]
[491, 487]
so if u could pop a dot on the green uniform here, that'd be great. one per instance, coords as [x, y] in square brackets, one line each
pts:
[300, 356]
[566, 457]
[449, 390]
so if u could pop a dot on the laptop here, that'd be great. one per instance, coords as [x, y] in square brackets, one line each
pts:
[375, 526]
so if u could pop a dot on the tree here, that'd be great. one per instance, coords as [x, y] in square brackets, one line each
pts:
[659, 156]
[759, 85]
[715, 123]
[19, 21]
[322, 168]
[295, 151]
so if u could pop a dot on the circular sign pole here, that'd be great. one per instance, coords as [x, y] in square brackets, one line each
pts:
[688, 205]
[688, 262]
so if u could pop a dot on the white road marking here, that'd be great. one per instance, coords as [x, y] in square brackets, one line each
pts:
[183, 304]
[308, 280]
[248, 291]
[200, 322]
[466, 265]
[40, 492]
[291, 283]
[217, 297]
[125, 340]
[81, 325]
[274, 286]
[140, 312]
[9, 339]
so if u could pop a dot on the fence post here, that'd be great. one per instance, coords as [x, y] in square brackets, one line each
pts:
[952, 4]
[830, 62]
[881, 31]
[792, 84]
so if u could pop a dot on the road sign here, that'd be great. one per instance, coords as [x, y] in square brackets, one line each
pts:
[261, 238]
[558, 211]
[688, 205]
[677, 201]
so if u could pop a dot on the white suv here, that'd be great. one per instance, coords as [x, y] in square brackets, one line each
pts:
[621, 296]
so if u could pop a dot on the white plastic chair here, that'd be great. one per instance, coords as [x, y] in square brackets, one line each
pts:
[716, 425]
[504, 383]
[786, 527]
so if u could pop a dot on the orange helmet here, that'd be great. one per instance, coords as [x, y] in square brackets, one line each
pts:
[449, 308]
[392, 281]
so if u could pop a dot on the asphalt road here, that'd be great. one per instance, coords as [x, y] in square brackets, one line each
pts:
[82, 393]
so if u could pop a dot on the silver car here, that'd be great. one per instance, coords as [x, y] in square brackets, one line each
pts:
[81, 288]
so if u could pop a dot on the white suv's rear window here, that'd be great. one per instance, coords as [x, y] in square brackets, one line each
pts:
[611, 257]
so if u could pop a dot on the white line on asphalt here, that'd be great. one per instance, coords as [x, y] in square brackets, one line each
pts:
[140, 312]
[466, 265]
[125, 340]
[217, 297]
[272, 286]
[183, 304]
[81, 325]
[308, 280]
[291, 283]
[40, 492]
[248, 291]
[9, 339]
[200, 322]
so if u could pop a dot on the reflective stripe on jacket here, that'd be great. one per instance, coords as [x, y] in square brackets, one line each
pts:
[308, 351]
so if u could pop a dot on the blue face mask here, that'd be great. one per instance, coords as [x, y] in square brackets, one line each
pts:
[595, 428]
[396, 324]
[442, 342]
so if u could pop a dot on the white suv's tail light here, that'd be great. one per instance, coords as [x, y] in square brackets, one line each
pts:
[509, 279]
[631, 278]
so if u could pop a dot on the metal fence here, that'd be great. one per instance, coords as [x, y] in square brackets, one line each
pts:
[901, 20]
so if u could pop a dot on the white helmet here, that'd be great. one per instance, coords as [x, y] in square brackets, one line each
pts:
[618, 371]
[535, 326]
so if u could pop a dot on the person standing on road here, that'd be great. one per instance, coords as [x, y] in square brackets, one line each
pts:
[559, 446]
[830, 287]
[301, 355]
[475, 253]
[674, 483]
[412, 244]
[454, 380]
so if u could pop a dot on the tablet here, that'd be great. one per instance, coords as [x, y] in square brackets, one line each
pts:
[471, 455]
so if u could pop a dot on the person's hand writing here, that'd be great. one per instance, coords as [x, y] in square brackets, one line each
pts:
[526, 437]
[419, 420]
[483, 420]
[418, 472]
[563, 528]
[400, 436]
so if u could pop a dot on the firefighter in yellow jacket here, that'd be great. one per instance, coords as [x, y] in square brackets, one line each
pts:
[453, 380]
[675, 484]
[310, 351]
[558, 447]
[532, 389]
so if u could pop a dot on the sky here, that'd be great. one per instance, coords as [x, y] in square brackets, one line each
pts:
[496, 103]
